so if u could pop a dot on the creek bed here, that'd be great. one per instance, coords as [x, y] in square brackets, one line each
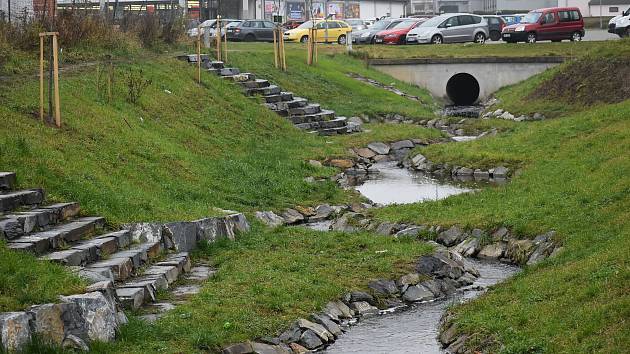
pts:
[414, 329]
[395, 185]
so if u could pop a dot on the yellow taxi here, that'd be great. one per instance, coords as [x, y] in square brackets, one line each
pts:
[325, 31]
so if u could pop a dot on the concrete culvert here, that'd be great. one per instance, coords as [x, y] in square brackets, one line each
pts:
[462, 89]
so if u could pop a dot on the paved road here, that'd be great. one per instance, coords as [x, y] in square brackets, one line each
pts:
[591, 35]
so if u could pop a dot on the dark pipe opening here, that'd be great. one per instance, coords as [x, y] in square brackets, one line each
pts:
[463, 89]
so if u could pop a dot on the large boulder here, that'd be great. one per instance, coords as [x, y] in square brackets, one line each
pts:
[292, 216]
[416, 293]
[379, 148]
[54, 321]
[440, 265]
[318, 329]
[468, 248]
[15, 331]
[310, 340]
[451, 237]
[403, 144]
[493, 251]
[383, 287]
[99, 320]
[269, 218]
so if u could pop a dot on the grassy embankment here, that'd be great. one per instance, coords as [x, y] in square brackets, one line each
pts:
[574, 180]
[175, 155]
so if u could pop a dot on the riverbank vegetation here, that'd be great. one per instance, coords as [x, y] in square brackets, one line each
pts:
[573, 179]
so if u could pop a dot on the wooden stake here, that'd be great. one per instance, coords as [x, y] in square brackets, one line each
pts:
[283, 59]
[275, 48]
[199, 54]
[56, 76]
[110, 79]
[225, 57]
[218, 36]
[41, 78]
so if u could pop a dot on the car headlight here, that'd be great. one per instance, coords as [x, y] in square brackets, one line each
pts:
[519, 29]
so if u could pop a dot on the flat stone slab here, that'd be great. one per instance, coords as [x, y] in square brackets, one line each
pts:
[184, 291]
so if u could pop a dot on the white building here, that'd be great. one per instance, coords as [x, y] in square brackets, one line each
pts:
[607, 8]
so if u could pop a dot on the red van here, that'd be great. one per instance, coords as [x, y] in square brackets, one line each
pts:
[551, 24]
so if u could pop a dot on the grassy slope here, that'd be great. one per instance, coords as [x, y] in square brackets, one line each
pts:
[289, 273]
[328, 83]
[575, 181]
[174, 156]
[471, 50]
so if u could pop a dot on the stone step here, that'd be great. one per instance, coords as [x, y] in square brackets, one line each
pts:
[317, 117]
[258, 83]
[306, 110]
[137, 291]
[297, 102]
[333, 131]
[192, 58]
[213, 64]
[322, 125]
[21, 223]
[59, 236]
[124, 264]
[228, 71]
[240, 77]
[265, 91]
[90, 251]
[282, 96]
[7, 181]
[25, 198]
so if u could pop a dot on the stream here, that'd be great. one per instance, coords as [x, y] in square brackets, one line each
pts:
[415, 329]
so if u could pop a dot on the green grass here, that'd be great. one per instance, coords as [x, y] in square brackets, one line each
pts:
[25, 280]
[183, 152]
[473, 50]
[328, 83]
[289, 273]
[574, 180]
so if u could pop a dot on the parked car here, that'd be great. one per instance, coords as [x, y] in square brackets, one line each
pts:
[291, 24]
[620, 24]
[450, 28]
[496, 24]
[367, 35]
[513, 19]
[357, 24]
[251, 30]
[554, 24]
[325, 31]
[209, 26]
[398, 33]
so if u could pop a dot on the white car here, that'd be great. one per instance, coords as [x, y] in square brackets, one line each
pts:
[210, 27]
[451, 28]
[620, 24]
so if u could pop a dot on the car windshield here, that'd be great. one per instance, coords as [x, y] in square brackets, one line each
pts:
[380, 25]
[433, 22]
[531, 17]
[405, 24]
[307, 24]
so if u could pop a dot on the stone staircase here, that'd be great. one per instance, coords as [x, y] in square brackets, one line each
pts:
[304, 115]
[138, 269]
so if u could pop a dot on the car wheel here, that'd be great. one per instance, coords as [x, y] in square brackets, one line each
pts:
[480, 38]
[437, 39]
[495, 35]
[531, 37]
[576, 37]
[250, 38]
[342, 39]
[304, 39]
[373, 40]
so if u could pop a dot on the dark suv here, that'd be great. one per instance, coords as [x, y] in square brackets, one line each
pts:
[251, 30]
[495, 26]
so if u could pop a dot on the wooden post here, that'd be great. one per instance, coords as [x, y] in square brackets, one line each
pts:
[275, 47]
[41, 78]
[199, 54]
[56, 78]
[225, 57]
[283, 58]
[218, 36]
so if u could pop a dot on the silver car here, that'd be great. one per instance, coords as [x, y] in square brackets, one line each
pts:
[451, 28]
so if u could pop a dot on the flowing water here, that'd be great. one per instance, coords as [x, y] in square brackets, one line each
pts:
[394, 185]
[414, 329]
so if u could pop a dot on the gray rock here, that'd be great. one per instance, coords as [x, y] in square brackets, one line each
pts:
[493, 251]
[468, 248]
[480, 174]
[499, 172]
[322, 212]
[263, 348]
[434, 286]
[383, 287]
[310, 340]
[73, 342]
[408, 279]
[416, 293]
[418, 159]
[100, 320]
[501, 234]
[145, 232]
[542, 251]
[345, 310]
[507, 116]
[291, 335]
[345, 223]
[15, 331]
[458, 345]
[379, 148]
[292, 216]
[538, 116]
[403, 144]
[440, 265]
[519, 251]
[412, 231]
[498, 112]
[318, 329]
[359, 296]
[239, 348]
[315, 163]
[327, 323]
[10, 228]
[385, 229]
[451, 236]
[355, 120]
[465, 171]
[363, 308]
[269, 218]
[449, 335]
[183, 234]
